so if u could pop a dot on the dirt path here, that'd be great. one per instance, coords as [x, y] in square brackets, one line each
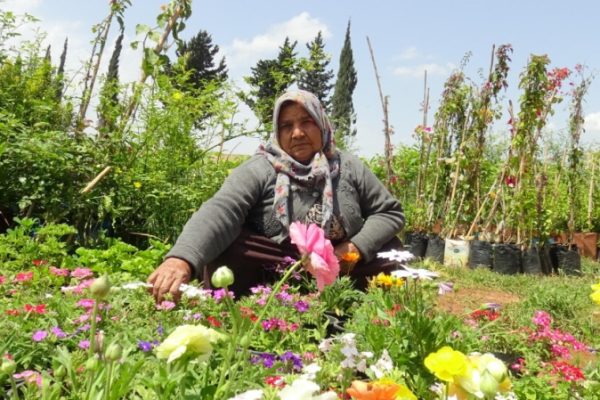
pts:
[465, 300]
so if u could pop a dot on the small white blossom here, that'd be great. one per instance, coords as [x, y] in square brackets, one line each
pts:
[254, 394]
[383, 365]
[413, 273]
[192, 291]
[304, 389]
[325, 345]
[135, 285]
[400, 256]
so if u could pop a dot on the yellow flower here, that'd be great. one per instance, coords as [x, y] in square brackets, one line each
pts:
[595, 296]
[137, 184]
[596, 287]
[177, 95]
[188, 339]
[447, 363]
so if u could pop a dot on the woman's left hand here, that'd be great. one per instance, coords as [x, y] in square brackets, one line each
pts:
[348, 255]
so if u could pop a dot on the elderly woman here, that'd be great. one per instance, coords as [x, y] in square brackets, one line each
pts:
[298, 176]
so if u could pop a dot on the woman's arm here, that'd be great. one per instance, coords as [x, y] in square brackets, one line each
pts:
[382, 213]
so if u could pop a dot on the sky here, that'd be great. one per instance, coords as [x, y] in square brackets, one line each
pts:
[408, 37]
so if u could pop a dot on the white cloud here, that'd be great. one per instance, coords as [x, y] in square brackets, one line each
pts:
[243, 53]
[592, 123]
[432, 69]
[410, 53]
[20, 6]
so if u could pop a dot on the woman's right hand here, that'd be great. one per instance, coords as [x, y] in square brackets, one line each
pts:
[168, 277]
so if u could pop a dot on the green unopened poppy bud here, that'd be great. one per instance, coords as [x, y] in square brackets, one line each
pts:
[488, 384]
[8, 367]
[222, 277]
[91, 364]
[497, 369]
[100, 287]
[113, 352]
[245, 341]
[60, 372]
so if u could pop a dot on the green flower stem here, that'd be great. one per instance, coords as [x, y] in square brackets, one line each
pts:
[108, 380]
[241, 353]
[13, 385]
[232, 342]
[93, 328]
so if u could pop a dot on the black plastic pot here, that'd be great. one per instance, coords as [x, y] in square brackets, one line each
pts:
[481, 254]
[532, 264]
[435, 248]
[417, 242]
[507, 259]
[546, 259]
[568, 260]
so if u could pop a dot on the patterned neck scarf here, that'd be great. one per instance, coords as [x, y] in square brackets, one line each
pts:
[317, 174]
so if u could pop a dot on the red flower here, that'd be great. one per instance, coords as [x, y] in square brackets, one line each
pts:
[569, 372]
[213, 321]
[275, 381]
[13, 312]
[484, 315]
[510, 181]
[2, 279]
[38, 309]
[24, 276]
[37, 263]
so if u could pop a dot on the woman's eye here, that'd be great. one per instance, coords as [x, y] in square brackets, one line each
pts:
[285, 128]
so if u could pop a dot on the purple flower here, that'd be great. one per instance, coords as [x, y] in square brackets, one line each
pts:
[301, 306]
[284, 297]
[84, 344]
[145, 346]
[56, 331]
[294, 359]
[445, 287]
[221, 293]
[38, 336]
[160, 330]
[267, 359]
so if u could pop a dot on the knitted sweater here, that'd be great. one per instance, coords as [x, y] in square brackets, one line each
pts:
[370, 215]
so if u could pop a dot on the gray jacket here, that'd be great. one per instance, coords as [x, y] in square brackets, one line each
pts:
[370, 215]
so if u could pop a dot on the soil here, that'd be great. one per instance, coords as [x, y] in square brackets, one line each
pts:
[464, 300]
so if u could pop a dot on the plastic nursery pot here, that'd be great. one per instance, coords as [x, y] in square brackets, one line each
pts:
[456, 253]
[481, 254]
[417, 242]
[507, 259]
[531, 261]
[548, 265]
[435, 248]
[568, 260]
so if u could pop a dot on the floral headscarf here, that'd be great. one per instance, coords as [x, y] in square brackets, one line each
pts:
[317, 174]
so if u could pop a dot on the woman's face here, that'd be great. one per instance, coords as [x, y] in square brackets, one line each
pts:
[298, 134]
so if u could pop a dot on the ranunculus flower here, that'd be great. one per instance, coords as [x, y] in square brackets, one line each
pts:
[384, 389]
[447, 363]
[311, 240]
[194, 340]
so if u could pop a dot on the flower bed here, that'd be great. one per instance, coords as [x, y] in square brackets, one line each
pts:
[65, 333]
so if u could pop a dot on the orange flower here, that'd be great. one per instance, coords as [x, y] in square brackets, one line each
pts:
[351, 256]
[383, 389]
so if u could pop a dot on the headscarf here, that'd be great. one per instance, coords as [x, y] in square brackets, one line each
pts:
[317, 174]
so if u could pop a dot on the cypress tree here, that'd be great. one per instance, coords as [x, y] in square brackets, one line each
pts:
[109, 100]
[342, 113]
[60, 72]
[269, 79]
[315, 77]
[198, 56]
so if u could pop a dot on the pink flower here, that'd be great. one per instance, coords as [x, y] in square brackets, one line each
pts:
[165, 305]
[86, 303]
[542, 319]
[84, 344]
[311, 241]
[81, 273]
[38, 336]
[30, 377]
[58, 271]
[2, 279]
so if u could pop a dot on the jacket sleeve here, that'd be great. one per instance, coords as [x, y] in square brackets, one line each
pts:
[382, 213]
[219, 220]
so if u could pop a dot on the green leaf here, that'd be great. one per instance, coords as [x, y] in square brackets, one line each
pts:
[141, 28]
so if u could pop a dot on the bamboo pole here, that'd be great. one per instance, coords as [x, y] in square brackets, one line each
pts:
[591, 195]
[94, 181]
[386, 126]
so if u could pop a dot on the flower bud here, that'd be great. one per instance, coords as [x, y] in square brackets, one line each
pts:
[99, 342]
[222, 277]
[488, 384]
[497, 369]
[91, 364]
[8, 367]
[245, 341]
[100, 287]
[114, 352]
[60, 372]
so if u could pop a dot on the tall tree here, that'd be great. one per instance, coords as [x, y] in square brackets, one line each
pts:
[269, 79]
[60, 73]
[198, 57]
[315, 77]
[108, 110]
[342, 108]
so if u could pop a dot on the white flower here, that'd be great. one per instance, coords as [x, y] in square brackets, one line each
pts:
[400, 256]
[192, 291]
[135, 285]
[304, 389]
[383, 365]
[325, 345]
[419, 273]
[310, 371]
[254, 394]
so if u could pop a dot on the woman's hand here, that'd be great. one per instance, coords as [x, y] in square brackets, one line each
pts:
[168, 277]
[349, 256]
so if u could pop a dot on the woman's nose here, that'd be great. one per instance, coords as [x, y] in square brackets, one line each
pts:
[297, 131]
